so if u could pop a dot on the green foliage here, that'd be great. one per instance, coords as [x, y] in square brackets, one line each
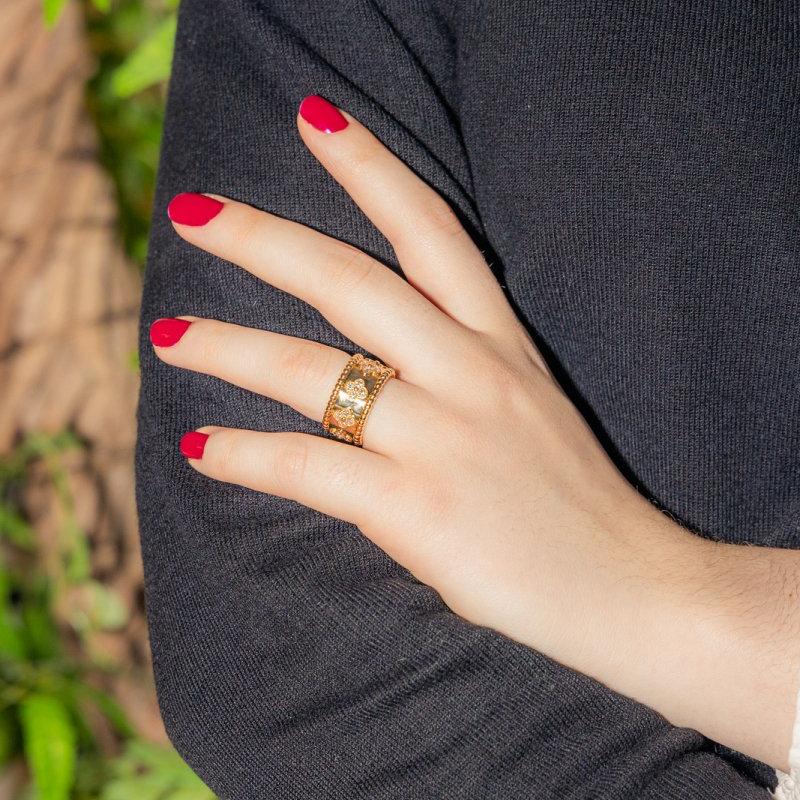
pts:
[50, 745]
[9, 736]
[132, 41]
[52, 11]
[149, 64]
[132, 45]
[48, 697]
[14, 528]
[40, 633]
[148, 772]
[83, 692]
[104, 609]
[12, 643]
[38, 681]
[133, 361]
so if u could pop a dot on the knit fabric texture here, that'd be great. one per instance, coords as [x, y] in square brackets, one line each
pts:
[632, 171]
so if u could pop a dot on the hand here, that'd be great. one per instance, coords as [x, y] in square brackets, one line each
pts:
[477, 473]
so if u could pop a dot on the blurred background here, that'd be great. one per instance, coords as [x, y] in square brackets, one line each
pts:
[82, 89]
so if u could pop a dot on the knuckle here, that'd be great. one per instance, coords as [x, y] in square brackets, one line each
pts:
[350, 269]
[455, 427]
[503, 383]
[226, 453]
[438, 218]
[511, 388]
[211, 345]
[304, 364]
[347, 478]
[394, 489]
[246, 231]
[365, 157]
[436, 502]
[398, 497]
[512, 382]
[290, 463]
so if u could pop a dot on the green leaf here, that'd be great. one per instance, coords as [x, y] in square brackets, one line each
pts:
[52, 11]
[148, 64]
[133, 361]
[50, 745]
[147, 771]
[108, 612]
[12, 642]
[77, 558]
[8, 736]
[46, 444]
[137, 787]
[91, 773]
[40, 630]
[84, 733]
[200, 792]
[109, 707]
[15, 529]
[102, 5]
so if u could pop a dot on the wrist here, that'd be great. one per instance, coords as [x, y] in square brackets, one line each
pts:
[711, 639]
[652, 577]
[604, 600]
[626, 616]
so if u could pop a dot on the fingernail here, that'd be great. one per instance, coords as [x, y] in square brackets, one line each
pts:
[193, 209]
[324, 116]
[167, 332]
[193, 443]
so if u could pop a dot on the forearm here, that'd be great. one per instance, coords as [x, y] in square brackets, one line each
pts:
[733, 635]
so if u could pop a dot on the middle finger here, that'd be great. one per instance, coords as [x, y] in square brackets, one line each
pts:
[364, 299]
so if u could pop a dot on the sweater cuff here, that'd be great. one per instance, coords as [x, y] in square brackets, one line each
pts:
[789, 785]
[794, 752]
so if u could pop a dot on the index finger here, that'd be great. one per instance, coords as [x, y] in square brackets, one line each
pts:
[436, 253]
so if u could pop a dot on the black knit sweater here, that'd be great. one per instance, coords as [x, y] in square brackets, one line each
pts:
[632, 170]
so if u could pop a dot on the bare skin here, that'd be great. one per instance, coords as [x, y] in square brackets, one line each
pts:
[511, 510]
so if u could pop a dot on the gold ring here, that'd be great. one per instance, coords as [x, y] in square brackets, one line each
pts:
[353, 397]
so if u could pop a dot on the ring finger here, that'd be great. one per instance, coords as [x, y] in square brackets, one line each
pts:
[297, 372]
[361, 297]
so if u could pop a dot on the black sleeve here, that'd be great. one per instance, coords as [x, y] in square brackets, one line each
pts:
[293, 659]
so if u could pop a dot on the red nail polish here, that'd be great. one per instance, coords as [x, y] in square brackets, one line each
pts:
[193, 444]
[193, 209]
[167, 332]
[324, 116]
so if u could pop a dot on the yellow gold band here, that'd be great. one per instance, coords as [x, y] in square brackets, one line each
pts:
[353, 397]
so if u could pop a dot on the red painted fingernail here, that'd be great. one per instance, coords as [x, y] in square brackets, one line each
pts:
[324, 116]
[167, 332]
[193, 209]
[193, 444]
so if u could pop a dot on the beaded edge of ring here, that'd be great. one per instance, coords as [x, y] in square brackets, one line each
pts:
[326, 417]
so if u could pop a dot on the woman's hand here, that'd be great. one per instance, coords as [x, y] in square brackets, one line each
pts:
[477, 473]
